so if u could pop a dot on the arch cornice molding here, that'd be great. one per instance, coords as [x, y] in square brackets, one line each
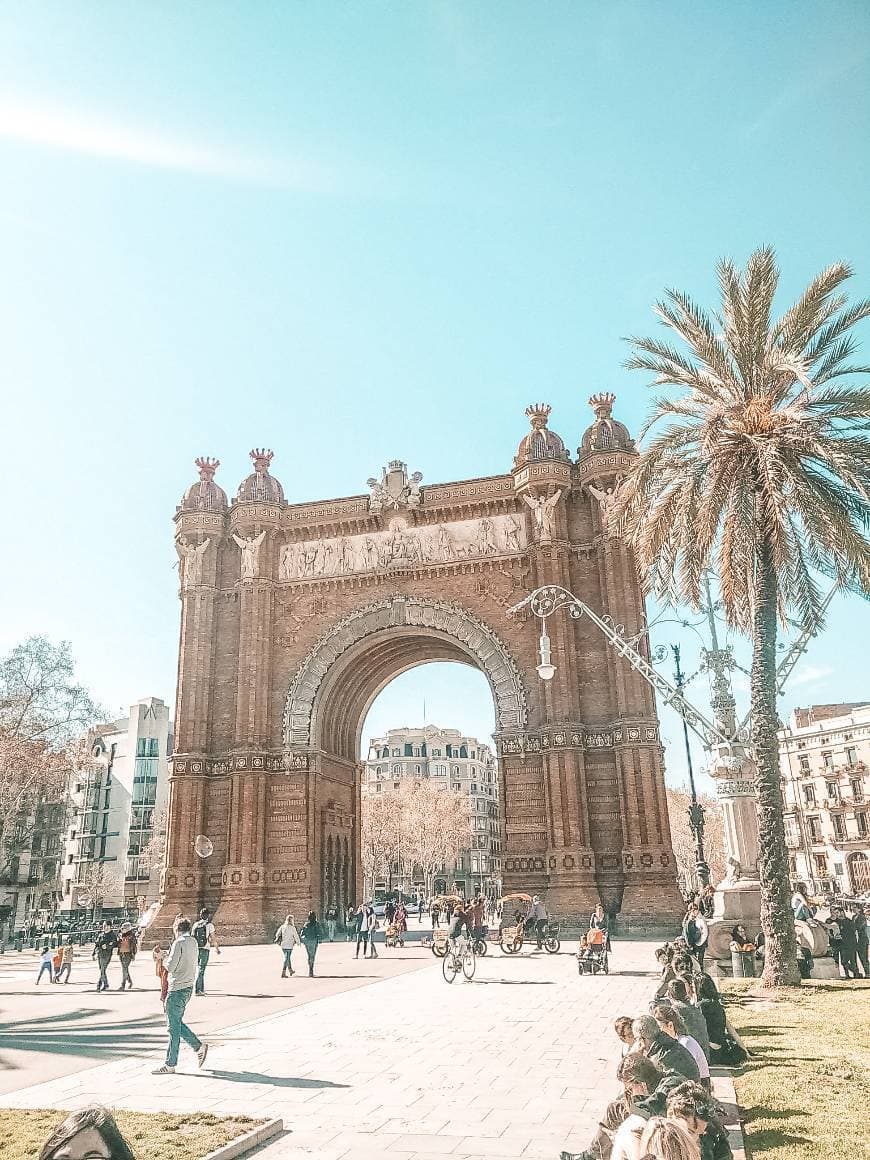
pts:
[452, 621]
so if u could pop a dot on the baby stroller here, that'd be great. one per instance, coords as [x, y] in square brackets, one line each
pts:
[393, 937]
[592, 955]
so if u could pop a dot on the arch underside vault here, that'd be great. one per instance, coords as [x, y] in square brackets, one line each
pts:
[341, 677]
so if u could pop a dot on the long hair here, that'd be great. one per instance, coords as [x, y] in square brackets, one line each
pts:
[664, 1140]
[96, 1117]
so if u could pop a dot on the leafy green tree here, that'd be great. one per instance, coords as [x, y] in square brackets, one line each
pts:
[758, 470]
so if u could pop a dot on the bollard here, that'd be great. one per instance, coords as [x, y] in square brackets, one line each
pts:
[743, 964]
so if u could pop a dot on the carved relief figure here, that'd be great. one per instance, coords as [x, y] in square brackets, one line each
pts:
[288, 565]
[379, 495]
[543, 509]
[413, 494]
[191, 561]
[486, 544]
[250, 551]
[511, 534]
[444, 549]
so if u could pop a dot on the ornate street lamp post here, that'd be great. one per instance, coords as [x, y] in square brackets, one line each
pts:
[696, 810]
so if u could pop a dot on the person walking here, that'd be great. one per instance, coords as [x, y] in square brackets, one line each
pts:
[331, 920]
[46, 965]
[362, 929]
[127, 948]
[203, 934]
[419, 910]
[350, 924]
[104, 946]
[181, 966]
[372, 924]
[66, 961]
[312, 937]
[848, 944]
[288, 937]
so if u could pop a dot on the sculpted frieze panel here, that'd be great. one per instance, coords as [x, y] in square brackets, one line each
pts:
[401, 546]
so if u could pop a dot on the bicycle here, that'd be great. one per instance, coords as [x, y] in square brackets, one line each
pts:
[459, 956]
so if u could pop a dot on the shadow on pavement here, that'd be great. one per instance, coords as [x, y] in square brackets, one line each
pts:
[103, 1040]
[287, 1081]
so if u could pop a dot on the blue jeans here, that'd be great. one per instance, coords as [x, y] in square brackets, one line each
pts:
[288, 951]
[43, 967]
[176, 1002]
[204, 954]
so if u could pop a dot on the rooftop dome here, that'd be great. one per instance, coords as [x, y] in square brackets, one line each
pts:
[541, 442]
[205, 496]
[260, 486]
[605, 434]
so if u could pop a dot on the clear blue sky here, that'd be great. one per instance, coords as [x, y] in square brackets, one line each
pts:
[358, 231]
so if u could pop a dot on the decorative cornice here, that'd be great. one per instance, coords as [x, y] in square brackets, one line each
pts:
[251, 762]
[577, 736]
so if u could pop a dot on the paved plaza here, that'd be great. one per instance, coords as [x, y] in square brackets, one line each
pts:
[517, 1063]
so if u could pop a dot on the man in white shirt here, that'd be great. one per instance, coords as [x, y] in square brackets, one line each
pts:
[181, 963]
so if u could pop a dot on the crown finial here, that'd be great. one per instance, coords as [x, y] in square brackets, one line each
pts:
[262, 458]
[538, 414]
[602, 404]
[207, 467]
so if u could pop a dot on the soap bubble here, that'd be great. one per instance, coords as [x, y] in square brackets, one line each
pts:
[204, 846]
[148, 916]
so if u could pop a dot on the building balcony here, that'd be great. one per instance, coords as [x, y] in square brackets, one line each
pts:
[852, 842]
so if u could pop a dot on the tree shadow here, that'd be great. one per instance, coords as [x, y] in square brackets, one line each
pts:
[107, 1040]
[769, 1138]
[285, 1081]
[756, 1113]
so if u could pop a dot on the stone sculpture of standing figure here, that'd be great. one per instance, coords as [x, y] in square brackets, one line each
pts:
[543, 509]
[250, 551]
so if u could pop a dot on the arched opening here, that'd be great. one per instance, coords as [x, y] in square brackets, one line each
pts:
[330, 700]
[859, 873]
[438, 718]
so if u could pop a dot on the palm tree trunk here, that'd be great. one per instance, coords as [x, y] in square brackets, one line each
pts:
[777, 920]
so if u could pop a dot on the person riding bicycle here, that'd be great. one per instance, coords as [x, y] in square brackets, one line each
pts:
[459, 920]
[537, 920]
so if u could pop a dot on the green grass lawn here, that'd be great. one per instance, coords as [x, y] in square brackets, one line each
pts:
[805, 1092]
[152, 1137]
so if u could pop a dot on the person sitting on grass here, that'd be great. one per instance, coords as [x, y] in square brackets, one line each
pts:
[725, 1047]
[671, 1022]
[88, 1134]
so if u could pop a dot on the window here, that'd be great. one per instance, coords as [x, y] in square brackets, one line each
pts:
[804, 763]
[473, 788]
[792, 865]
[821, 865]
[436, 752]
[861, 819]
[833, 791]
[828, 760]
[851, 755]
[146, 747]
[456, 771]
[463, 751]
[416, 750]
[839, 828]
[395, 752]
[418, 769]
[441, 770]
[857, 789]
[397, 769]
[809, 795]
[378, 788]
[813, 829]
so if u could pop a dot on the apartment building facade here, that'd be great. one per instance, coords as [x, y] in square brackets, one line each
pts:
[116, 807]
[824, 755]
[455, 762]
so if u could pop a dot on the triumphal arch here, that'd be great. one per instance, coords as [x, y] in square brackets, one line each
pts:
[294, 616]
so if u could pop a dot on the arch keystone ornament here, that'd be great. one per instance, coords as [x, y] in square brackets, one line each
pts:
[296, 616]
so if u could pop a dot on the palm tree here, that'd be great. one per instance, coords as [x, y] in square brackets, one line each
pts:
[761, 474]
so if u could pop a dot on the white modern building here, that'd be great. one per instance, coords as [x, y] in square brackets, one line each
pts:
[455, 762]
[116, 805]
[824, 755]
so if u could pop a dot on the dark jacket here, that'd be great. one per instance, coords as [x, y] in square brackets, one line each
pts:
[714, 1018]
[714, 1142]
[311, 934]
[104, 944]
[696, 1025]
[668, 1055]
[848, 941]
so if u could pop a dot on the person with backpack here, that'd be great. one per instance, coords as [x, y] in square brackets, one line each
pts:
[127, 947]
[203, 933]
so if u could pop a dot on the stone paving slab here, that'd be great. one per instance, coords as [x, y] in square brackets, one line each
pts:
[515, 1065]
